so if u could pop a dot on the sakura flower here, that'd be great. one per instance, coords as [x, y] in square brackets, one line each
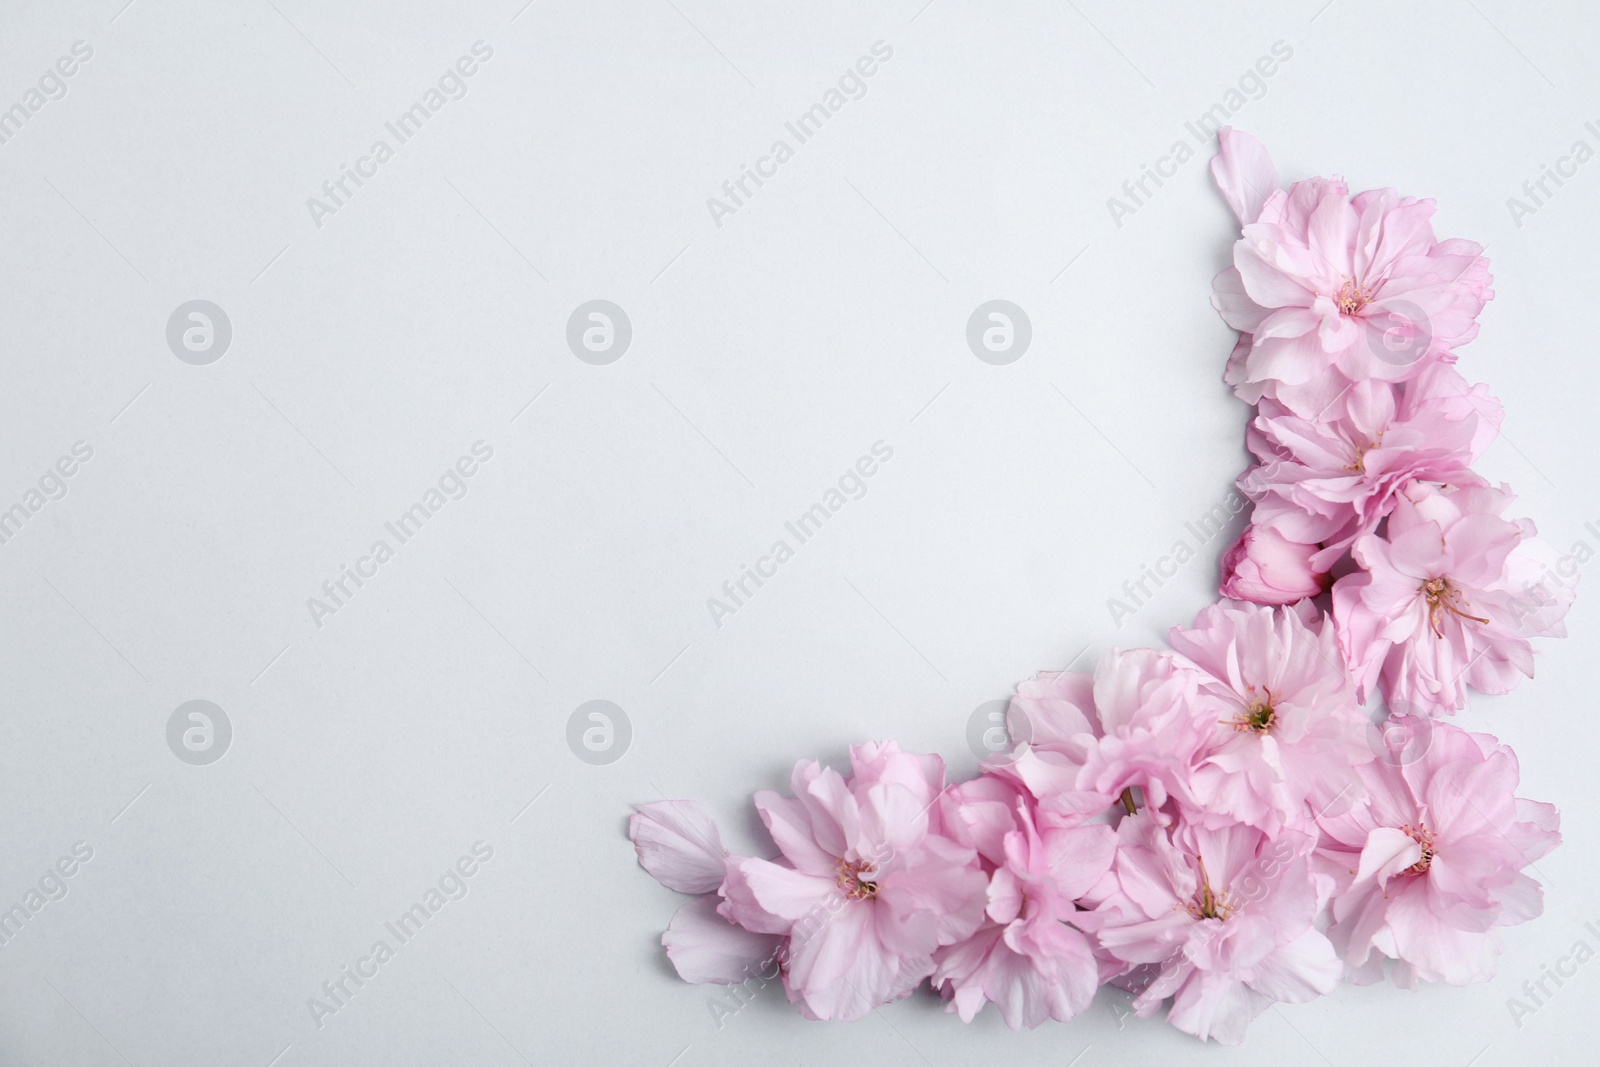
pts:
[1432, 863]
[1026, 959]
[1264, 567]
[1306, 398]
[868, 886]
[1334, 289]
[1053, 720]
[980, 813]
[1220, 920]
[1289, 729]
[1137, 722]
[1438, 606]
[1330, 479]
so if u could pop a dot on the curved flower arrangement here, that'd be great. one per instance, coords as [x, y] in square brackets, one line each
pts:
[1220, 826]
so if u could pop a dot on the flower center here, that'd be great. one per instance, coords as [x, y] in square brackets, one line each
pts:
[1424, 837]
[1442, 597]
[1351, 297]
[1359, 464]
[1258, 718]
[854, 879]
[1207, 903]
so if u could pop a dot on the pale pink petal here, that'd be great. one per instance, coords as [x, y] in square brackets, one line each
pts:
[678, 843]
[789, 823]
[761, 895]
[1215, 1007]
[705, 947]
[1299, 970]
[839, 970]
[1388, 851]
[1244, 172]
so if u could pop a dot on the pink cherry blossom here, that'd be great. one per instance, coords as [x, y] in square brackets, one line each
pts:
[1137, 722]
[1264, 567]
[1053, 720]
[1220, 920]
[1431, 864]
[1331, 479]
[1438, 605]
[980, 813]
[1288, 729]
[868, 886]
[1335, 289]
[1026, 958]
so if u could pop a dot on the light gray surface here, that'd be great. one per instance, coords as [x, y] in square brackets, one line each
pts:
[827, 313]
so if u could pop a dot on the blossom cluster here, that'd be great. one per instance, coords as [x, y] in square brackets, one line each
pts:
[1349, 312]
[1218, 826]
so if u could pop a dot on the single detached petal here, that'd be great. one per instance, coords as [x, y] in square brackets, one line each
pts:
[678, 843]
[1244, 172]
[705, 947]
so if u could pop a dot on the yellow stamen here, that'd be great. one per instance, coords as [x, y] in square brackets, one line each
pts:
[1442, 597]
[1351, 297]
[854, 881]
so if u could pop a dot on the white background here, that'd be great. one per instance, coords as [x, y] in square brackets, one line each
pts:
[768, 354]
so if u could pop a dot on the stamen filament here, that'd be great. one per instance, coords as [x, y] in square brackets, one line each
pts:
[1441, 597]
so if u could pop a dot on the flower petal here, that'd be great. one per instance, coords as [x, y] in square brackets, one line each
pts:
[678, 843]
[705, 947]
